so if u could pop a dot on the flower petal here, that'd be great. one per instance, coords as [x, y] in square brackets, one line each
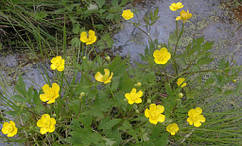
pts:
[160, 108]
[161, 118]
[147, 113]
[99, 77]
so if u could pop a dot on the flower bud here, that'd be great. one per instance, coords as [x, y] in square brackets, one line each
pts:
[135, 106]
[108, 58]
[137, 111]
[84, 57]
[148, 101]
[180, 95]
[159, 46]
[82, 94]
[54, 115]
[234, 81]
[138, 84]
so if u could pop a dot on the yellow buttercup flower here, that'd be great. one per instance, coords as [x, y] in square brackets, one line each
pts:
[50, 93]
[195, 117]
[155, 113]
[176, 6]
[184, 16]
[90, 39]
[134, 97]
[57, 63]
[127, 14]
[161, 56]
[172, 128]
[106, 78]
[9, 129]
[46, 124]
[180, 82]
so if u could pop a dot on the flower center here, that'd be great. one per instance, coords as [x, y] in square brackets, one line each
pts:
[10, 128]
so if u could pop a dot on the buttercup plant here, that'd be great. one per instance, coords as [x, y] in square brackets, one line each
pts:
[108, 101]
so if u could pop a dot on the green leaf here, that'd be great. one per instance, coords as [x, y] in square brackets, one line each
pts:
[20, 86]
[100, 3]
[109, 124]
[115, 83]
[207, 46]
[76, 29]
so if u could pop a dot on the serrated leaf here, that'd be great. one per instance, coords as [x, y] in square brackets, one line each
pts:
[109, 124]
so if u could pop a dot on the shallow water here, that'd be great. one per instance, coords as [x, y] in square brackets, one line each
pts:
[209, 19]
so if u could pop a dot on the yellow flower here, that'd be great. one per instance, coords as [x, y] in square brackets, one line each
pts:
[184, 16]
[57, 63]
[127, 14]
[172, 128]
[46, 124]
[154, 113]
[195, 117]
[90, 39]
[50, 93]
[161, 56]
[180, 82]
[9, 129]
[134, 97]
[106, 78]
[176, 6]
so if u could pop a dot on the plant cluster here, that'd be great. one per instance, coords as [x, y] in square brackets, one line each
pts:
[163, 100]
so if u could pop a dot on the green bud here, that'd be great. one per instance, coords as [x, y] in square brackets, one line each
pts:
[84, 57]
[180, 95]
[137, 111]
[108, 58]
[148, 101]
[138, 84]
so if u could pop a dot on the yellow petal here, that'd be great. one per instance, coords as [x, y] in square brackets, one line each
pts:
[183, 85]
[133, 90]
[106, 72]
[180, 81]
[52, 129]
[83, 37]
[189, 120]
[160, 108]
[51, 101]
[45, 116]
[140, 94]
[147, 113]
[153, 121]
[197, 124]
[130, 101]
[61, 68]
[43, 130]
[53, 66]
[99, 77]
[40, 123]
[138, 100]
[156, 53]
[152, 107]
[56, 87]
[46, 88]
[161, 118]
[44, 97]
[198, 110]
[202, 118]
[178, 18]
